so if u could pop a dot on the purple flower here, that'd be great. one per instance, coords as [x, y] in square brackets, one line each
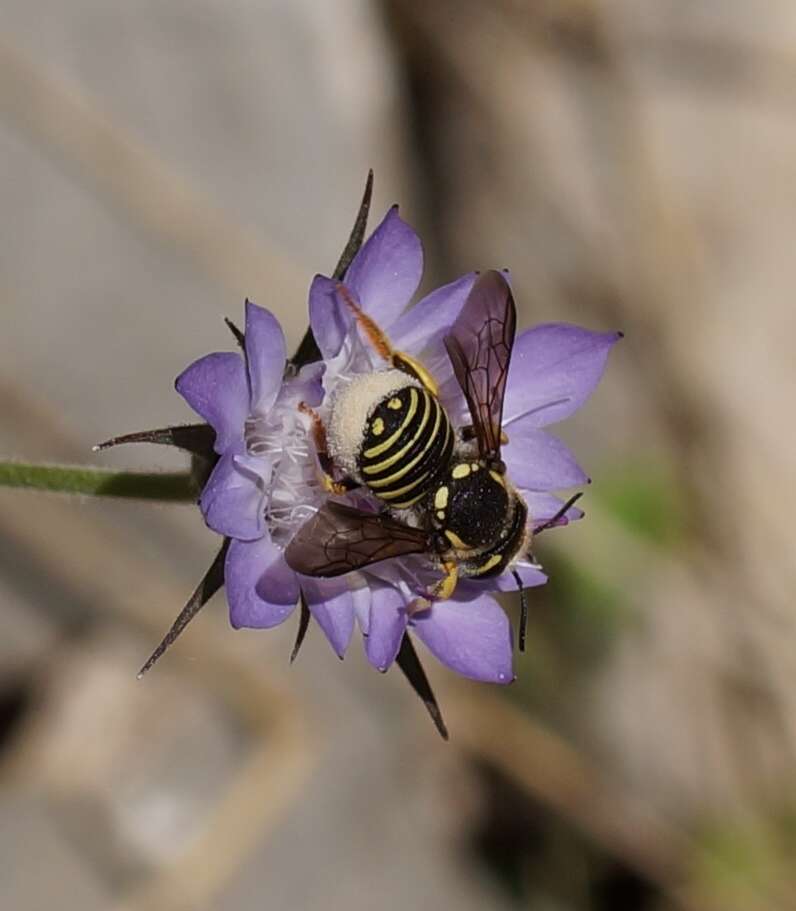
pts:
[553, 371]
[266, 483]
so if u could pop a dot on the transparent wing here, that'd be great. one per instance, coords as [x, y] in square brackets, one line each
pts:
[479, 347]
[339, 539]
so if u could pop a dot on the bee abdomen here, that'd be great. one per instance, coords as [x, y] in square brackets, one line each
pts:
[407, 442]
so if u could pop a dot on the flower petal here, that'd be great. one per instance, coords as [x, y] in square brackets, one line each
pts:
[330, 321]
[423, 327]
[307, 387]
[538, 461]
[332, 606]
[215, 387]
[262, 590]
[471, 637]
[543, 506]
[265, 357]
[387, 270]
[387, 625]
[530, 576]
[232, 499]
[554, 369]
[361, 598]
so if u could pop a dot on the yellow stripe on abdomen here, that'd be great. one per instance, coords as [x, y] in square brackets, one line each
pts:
[415, 452]
[394, 437]
[392, 494]
[403, 470]
[440, 457]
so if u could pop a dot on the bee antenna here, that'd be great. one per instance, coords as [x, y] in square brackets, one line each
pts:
[559, 515]
[523, 608]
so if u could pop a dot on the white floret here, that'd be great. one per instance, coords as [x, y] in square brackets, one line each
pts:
[352, 406]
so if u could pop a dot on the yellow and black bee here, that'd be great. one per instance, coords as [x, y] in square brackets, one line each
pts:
[445, 492]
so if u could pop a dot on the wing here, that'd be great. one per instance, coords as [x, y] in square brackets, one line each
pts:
[479, 347]
[339, 539]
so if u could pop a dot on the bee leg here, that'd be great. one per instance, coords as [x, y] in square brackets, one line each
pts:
[381, 345]
[440, 592]
[531, 558]
[378, 340]
[550, 523]
[468, 434]
[559, 515]
[447, 584]
[337, 487]
[318, 435]
[324, 459]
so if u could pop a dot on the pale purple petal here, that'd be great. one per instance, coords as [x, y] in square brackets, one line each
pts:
[306, 387]
[554, 369]
[450, 392]
[232, 501]
[422, 328]
[386, 571]
[262, 590]
[538, 461]
[330, 319]
[543, 506]
[386, 272]
[330, 603]
[265, 357]
[361, 598]
[530, 576]
[387, 625]
[215, 387]
[411, 575]
[471, 637]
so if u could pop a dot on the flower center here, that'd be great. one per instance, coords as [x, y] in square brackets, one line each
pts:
[256, 435]
[294, 494]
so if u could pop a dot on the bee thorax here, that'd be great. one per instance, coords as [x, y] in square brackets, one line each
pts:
[479, 517]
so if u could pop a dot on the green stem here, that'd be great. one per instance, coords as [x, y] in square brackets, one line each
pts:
[100, 482]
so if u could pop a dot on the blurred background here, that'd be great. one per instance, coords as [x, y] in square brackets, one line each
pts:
[634, 163]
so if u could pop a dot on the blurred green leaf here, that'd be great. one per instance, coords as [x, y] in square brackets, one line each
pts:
[574, 622]
[644, 497]
[747, 863]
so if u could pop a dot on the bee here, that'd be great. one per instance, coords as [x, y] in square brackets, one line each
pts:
[444, 492]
